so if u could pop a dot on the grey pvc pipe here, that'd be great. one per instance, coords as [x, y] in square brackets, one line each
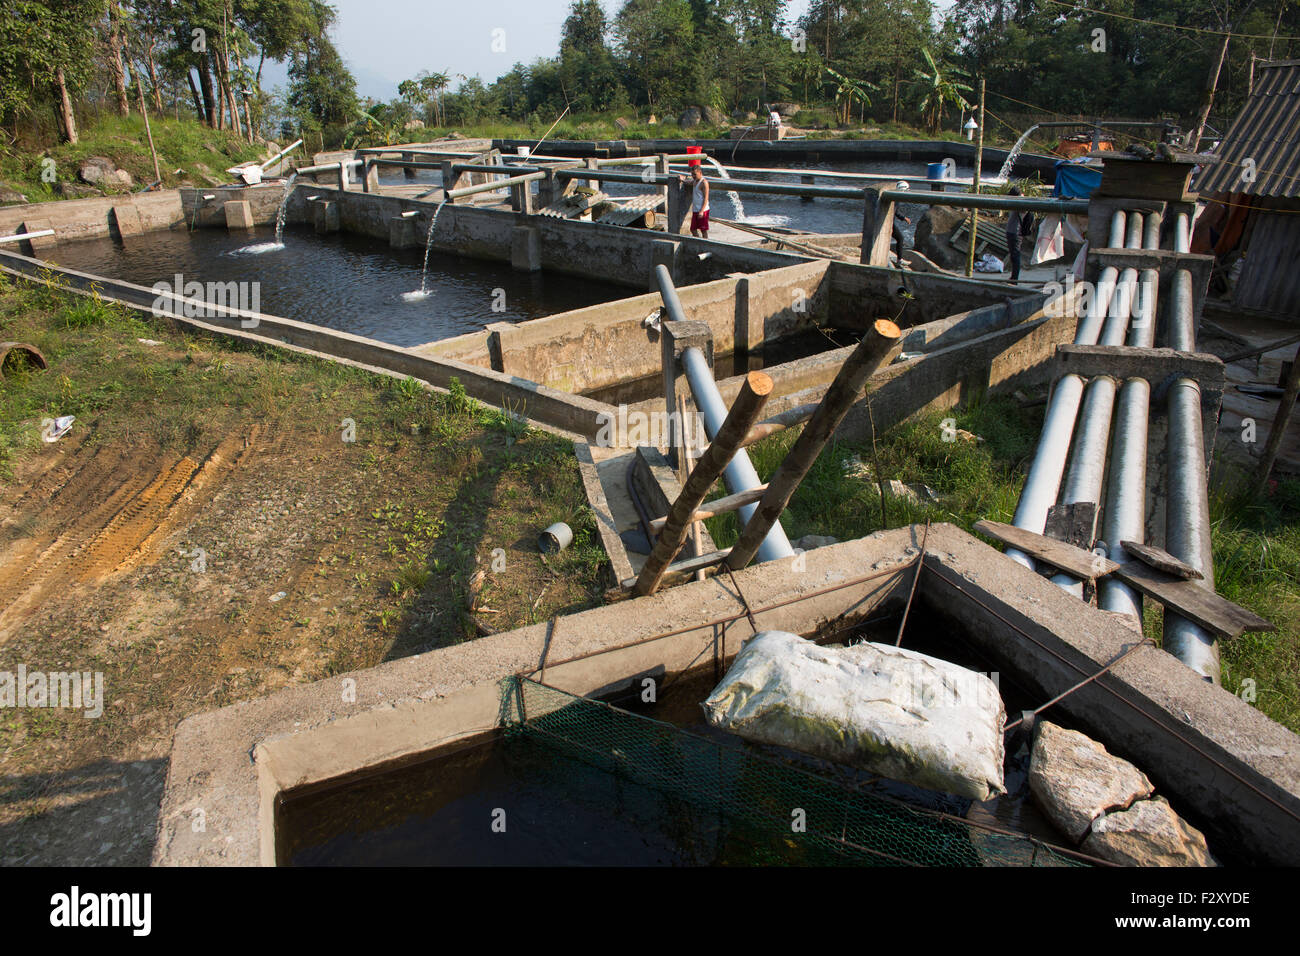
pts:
[739, 475]
[1043, 483]
[1187, 509]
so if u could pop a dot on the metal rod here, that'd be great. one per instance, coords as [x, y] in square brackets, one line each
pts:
[754, 393]
[493, 186]
[480, 167]
[882, 340]
[27, 235]
[869, 177]
[984, 201]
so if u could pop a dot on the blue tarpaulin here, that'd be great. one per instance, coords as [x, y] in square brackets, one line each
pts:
[1075, 180]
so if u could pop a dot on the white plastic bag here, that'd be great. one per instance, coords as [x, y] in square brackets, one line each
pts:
[891, 711]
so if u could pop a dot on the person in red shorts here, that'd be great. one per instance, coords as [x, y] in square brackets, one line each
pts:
[699, 202]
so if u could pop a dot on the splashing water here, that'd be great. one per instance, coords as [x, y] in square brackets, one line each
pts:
[732, 195]
[284, 208]
[423, 291]
[1005, 171]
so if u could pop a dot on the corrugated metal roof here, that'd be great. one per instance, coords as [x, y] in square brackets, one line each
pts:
[1267, 131]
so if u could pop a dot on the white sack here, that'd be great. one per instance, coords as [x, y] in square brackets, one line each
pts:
[888, 710]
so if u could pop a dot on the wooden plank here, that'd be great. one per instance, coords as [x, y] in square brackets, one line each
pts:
[1161, 560]
[1074, 523]
[1065, 557]
[1192, 600]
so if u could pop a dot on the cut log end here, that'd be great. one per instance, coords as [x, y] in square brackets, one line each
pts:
[760, 383]
[887, 329]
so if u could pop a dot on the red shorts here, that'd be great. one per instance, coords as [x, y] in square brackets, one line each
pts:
[700, 221]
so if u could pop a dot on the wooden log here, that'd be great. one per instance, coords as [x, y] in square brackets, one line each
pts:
[1064, 557]
[882, 340]
[682, 570]
[1161, 560]
[744, 412]
[779, 423]
[1278, 428]
[720, 506]
[1192, 600]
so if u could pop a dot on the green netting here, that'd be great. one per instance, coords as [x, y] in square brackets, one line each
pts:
[758, 798]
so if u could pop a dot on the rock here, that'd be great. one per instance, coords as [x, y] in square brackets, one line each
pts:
[454, 135]
[119, 178]
[810, 541]
[622, 122]
[714, 117]
[786, 109]
[413, 124]
[689, 119]
[933, 236]
[1149, 833]
[8, 195]
[95, 169]
[751, 116]
[205, 172]
[653, 120]
[75, 190]
[1076, 780]
[209, 147]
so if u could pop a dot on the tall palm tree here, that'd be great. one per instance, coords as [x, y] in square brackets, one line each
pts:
[941, 86]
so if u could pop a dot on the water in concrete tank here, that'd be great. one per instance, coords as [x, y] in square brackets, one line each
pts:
[345, 282]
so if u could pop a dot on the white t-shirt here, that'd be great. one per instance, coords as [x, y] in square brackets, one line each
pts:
[698, 202]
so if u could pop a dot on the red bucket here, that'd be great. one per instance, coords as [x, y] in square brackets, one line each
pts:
[694, 149]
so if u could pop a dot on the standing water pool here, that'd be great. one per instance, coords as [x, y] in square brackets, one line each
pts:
[345, 282]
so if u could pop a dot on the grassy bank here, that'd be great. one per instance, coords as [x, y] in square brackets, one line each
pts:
[1256, 543]
[223, 521]
[185, 145]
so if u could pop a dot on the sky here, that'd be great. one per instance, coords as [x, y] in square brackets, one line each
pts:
[387, 41]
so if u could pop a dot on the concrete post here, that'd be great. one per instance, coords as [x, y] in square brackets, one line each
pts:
[126, 220]
[877, 228]
[36, 246]
[239, 214]
[591, 164]
[675, 338]
[679, 207]
[807, 181]
[371, 182]
[521, 197]
[526, 249]
[663, 252]
[403, 233]
[661, 168]
[408, 171]
[325, 214]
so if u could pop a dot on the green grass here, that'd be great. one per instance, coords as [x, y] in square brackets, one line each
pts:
[1256, 543]
[181, 145]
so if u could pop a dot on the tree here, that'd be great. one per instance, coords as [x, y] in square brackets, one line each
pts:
[588, 73]
[656, 40]
[846, 91]
[940, 87]
[46, 56]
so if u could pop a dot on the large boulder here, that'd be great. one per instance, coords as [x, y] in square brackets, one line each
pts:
[690, 118]
[8, 195]
[413, 124]
[714, 117]
[95, 169]
[69, 190]
[622, 123]
[118, 179]
[786, 109]
[1149, 833]
[1076, 780]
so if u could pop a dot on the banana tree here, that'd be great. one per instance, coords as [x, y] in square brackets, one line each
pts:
[941, 86]
[846, 91]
